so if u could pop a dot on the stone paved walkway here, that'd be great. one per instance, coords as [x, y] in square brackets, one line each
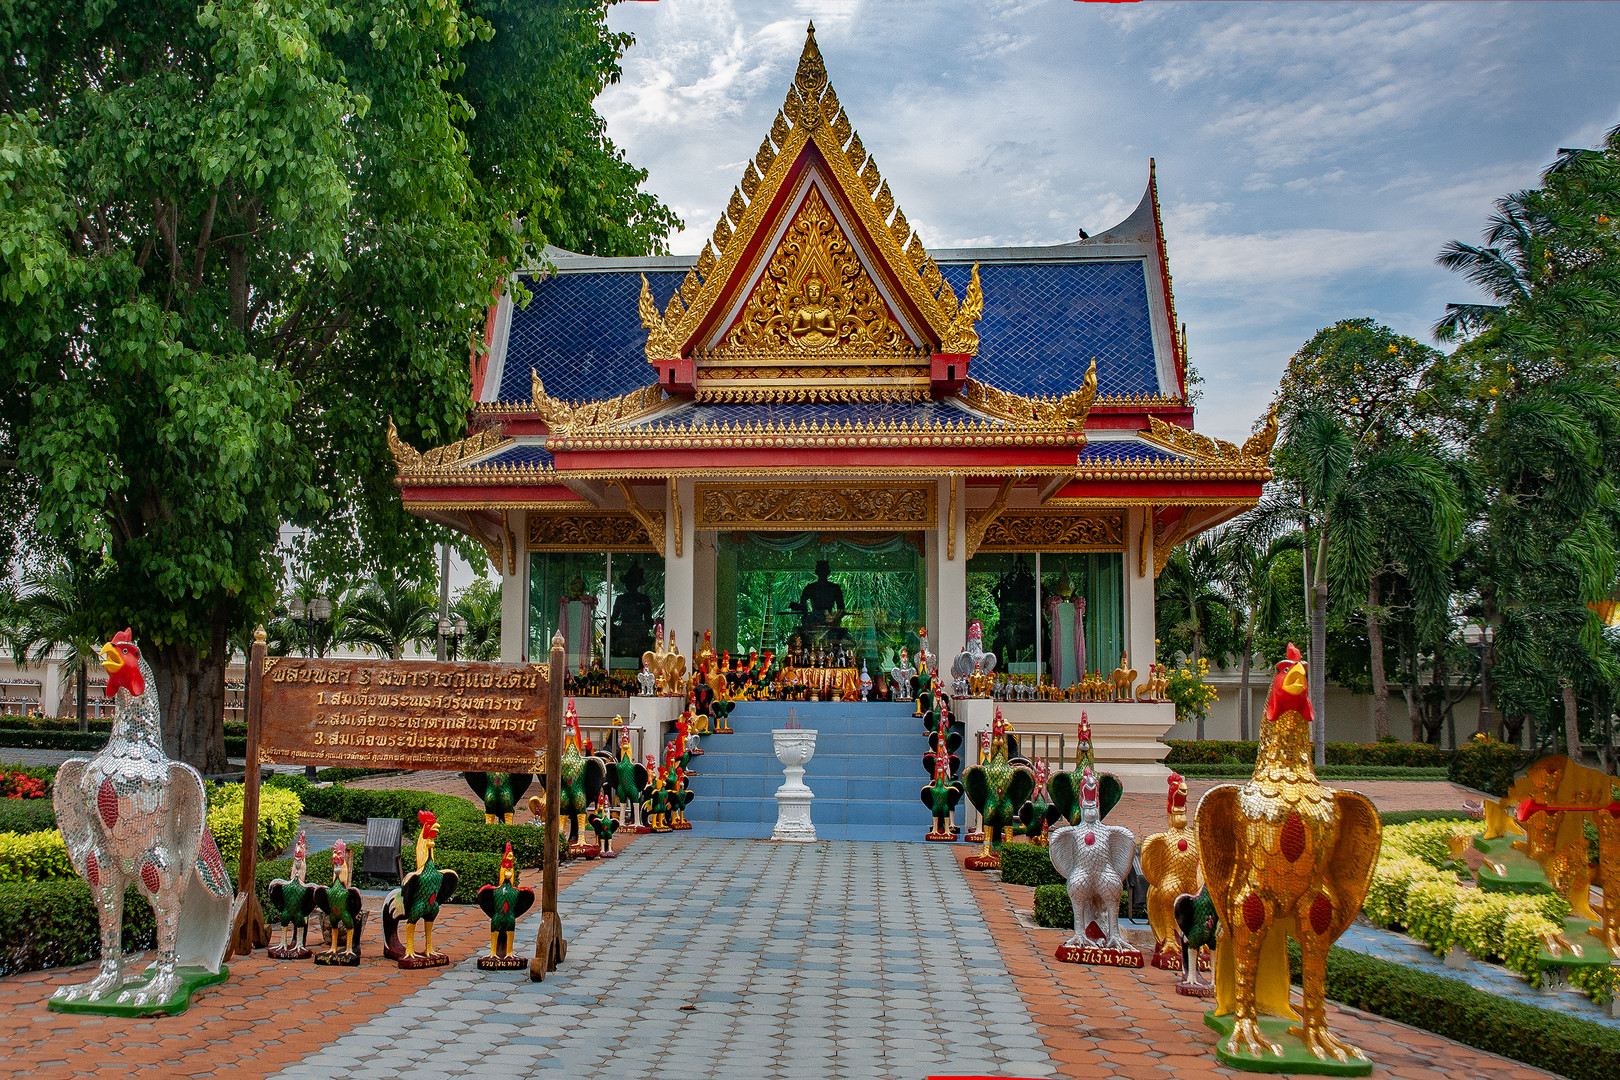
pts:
[833, 960]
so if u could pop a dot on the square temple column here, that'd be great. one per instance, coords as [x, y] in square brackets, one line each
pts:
[947, 575]
[515, 595]
[1140, 628]
[703, 582]
[680, 557]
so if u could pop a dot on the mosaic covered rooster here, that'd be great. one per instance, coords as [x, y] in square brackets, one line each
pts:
[130, 816]
[418, 899]
[582, 777]
[344, 909]
[1283, 855]
[997, 789]
[500, 792]
[1170, 865]
[293, 902]
[1095, 859]
[627, 779]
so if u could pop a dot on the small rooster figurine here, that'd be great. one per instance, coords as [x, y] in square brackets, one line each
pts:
[343, 907]
[417, 900]
[1197, 928]
[505, 903]
[997, 789]
[500, 792]
[1170, 865]
[675, 789]
[130, 816]
[1283, 851]
[654, 799]
[294, 901]
[945, 792]
[603, 825]
[1039, 814]
[1096, 859]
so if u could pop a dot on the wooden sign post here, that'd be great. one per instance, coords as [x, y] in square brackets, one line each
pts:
[550, 948]
[248, 931]
[391, 714]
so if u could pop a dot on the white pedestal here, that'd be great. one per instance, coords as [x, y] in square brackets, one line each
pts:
[794, 749]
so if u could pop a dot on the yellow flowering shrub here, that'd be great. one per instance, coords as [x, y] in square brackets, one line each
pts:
[1429, 841]
[1190, 690]
[35, 856]
[278, 819]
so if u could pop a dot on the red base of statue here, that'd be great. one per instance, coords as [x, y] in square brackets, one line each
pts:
[1091, 954]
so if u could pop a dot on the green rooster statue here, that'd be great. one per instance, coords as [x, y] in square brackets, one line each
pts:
[627, 780]
[654, 799]
[1039, 814]
[1064, 787]
[501, 793]
[603, 825]
[504, 903]
[344, 909]
[293, 901]
[418, 899]
[1197, 926]
[582, 778]
[942, 795]
[997, 790]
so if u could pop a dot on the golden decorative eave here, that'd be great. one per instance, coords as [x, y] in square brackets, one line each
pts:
[561, 415]
[1254, 453]
[442, 460]
[811, 116]
[1065, 413]
[818, 434]
[861, 506]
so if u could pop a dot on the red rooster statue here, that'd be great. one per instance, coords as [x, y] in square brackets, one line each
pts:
[130, 816]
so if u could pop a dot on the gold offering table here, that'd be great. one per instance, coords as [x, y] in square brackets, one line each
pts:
[843, 681]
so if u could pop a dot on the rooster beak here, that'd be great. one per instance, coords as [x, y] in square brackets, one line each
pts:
[110, 658]
[1296, 681]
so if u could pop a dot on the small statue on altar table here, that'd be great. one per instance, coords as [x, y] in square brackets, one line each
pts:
[972, 659]
[1123, 679]
[866, 682]
[925, 658]
[1170, 866]
[980, 682]
[1095, 859]
[646, 681]
[959, 682]
[902, 677]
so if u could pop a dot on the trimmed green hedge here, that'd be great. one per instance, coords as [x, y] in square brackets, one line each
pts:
[1487, 765]
[26, 815]
[528, 841]
[1545, 1039]
[37, 739]
[355, 805]
[1388, 753]
[49, 924]
[1406, 817]
[1028, 864]
[1053, 907]
[1242, 771]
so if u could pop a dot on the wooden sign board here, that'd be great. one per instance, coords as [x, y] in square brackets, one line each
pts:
[403, 714]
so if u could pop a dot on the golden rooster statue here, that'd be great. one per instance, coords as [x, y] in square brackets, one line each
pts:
[1170, 865]
[1282, 855]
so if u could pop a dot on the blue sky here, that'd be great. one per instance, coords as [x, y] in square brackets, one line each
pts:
[1312, 158]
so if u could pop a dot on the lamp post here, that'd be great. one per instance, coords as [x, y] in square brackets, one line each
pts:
[318, 610]
[1479, 638]
[451, 631]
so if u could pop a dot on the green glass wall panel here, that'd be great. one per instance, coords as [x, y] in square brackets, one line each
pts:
[1002, 595]
[633, 605]
[761, 597]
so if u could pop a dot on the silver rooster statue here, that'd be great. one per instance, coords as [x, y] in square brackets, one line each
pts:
[1096, 859]
[130, 816]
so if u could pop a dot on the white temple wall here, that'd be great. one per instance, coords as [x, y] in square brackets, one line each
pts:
[679, 569]
[1140, 628]
[515, 596]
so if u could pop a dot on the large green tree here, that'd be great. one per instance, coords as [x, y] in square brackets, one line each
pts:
[1536, 378]
[237, 236]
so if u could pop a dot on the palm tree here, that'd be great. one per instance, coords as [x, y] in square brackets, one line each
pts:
[51, 613]
[480, 606]
[390, 613]
[1190, 600]
[1257, 596]
[1504, 266]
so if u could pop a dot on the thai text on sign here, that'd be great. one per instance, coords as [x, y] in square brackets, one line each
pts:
[393, 714]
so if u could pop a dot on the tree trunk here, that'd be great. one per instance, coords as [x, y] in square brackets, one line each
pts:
[1572, 731]
[1375, 641]
[191, 695]
[81, 691]
[1245, 698]
[1318, 669]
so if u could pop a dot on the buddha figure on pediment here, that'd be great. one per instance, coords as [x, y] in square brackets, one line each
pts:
[813, 326]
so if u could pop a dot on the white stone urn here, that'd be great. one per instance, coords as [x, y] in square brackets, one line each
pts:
[794, 749]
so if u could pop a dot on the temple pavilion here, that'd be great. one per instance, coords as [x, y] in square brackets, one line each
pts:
[820, 435]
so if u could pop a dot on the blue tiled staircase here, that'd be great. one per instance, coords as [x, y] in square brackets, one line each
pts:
[866, 773]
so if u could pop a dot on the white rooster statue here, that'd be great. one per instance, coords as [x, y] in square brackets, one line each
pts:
[130, 816]
[1095, 859]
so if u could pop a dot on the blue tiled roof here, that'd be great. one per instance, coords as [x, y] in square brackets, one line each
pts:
[582, 332]
[1043, 322]
[518, 457]
[828, 412]
[1115, 451]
